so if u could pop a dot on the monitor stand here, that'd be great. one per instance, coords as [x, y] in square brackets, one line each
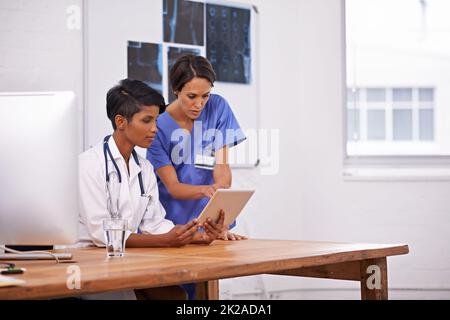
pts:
[29, 248]
[33, 255]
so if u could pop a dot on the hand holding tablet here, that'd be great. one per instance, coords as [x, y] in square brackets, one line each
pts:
[230, 201]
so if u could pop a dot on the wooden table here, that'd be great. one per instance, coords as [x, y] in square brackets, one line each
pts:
[156, 267]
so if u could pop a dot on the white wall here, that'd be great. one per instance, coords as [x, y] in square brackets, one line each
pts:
[38, 51]
[301, 94]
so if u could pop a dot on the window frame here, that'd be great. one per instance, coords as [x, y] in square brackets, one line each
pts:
[384, 167]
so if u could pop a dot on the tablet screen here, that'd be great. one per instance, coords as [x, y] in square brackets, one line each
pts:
[230, 201]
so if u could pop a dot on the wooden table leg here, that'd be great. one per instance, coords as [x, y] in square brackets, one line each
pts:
[374, 281]
[207, 290]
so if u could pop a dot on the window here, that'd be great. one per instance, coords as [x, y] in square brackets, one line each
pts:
[385, 115]
[398, 78]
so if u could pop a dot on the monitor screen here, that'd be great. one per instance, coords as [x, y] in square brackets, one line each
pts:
[39, 141]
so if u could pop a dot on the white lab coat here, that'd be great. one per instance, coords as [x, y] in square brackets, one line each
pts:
[142, 214]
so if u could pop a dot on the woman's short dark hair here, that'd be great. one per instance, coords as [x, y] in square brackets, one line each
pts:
[188, 67]
[128, 98]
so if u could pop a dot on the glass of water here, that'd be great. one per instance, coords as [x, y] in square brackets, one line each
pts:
[115, 236]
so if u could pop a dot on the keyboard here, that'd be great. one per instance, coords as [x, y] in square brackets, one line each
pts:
[34, 256]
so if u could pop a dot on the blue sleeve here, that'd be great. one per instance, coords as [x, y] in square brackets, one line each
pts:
[228, 125]
[158, 154]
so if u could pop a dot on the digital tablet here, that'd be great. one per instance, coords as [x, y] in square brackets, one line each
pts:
[230, 201]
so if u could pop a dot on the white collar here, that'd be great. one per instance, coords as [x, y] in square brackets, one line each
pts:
[134, 168]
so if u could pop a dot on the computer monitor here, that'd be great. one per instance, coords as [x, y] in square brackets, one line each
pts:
[38, 168]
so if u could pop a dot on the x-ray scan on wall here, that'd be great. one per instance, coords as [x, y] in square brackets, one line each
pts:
[172, 55]
[228, 42]
[183, 22]
[145, 63]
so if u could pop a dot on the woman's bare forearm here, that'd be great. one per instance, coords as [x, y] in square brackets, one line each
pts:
[183, 191]
[147, 240]
[222, 175]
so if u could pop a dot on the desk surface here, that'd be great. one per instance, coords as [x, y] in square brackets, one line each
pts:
[154, 267]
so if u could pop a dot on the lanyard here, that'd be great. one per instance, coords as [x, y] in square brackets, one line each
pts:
[107, 152]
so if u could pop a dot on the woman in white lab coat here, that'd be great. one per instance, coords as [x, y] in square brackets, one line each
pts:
[133, 108]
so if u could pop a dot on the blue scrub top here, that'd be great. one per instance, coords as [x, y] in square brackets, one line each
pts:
[215, 128]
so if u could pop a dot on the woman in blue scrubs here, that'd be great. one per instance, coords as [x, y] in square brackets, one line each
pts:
[190, 151]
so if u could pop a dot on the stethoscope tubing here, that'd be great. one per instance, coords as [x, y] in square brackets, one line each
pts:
[107, 152]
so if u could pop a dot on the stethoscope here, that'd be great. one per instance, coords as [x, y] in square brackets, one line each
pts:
[107, 152]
